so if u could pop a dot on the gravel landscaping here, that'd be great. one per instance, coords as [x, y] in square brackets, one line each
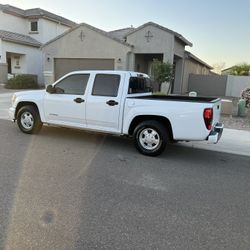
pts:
[236, 122]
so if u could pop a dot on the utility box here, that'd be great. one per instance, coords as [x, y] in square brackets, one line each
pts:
[226, 107]
[242, 107]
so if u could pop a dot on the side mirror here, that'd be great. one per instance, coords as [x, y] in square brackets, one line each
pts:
[50, 89]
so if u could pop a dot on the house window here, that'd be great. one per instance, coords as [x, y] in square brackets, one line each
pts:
[17, 59]
[33, 26]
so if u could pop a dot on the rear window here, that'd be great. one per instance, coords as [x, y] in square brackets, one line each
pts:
[139, 85]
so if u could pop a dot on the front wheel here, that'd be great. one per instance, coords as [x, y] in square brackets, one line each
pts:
[150, 138]
[28, 120]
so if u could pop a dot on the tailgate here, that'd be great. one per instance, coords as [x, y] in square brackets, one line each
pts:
[216, 111]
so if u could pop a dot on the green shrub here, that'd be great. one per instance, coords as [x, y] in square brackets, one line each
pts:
[162, 72]
[22, 82]
[246, 95]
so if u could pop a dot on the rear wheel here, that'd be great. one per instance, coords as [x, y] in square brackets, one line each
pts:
[28, 120]
[150, 138]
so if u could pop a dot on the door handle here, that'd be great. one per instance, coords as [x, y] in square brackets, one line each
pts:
[79, 100]
[112, 103]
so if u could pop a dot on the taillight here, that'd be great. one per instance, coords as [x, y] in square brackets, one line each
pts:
[208, 117]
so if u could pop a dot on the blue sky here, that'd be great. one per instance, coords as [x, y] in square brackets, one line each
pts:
[219, 30]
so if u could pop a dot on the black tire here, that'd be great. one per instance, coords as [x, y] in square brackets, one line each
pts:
[28, 120]
[151, 137]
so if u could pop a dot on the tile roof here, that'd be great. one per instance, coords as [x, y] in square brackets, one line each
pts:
[18, 38]
[121, 33]
[104, 33]
[36, 13]
[195, 58]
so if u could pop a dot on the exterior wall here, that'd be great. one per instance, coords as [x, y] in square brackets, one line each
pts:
[236, 84]
[179, 52]
[178, 79]
[161, 42]
[179, 48]
[2, 60]
[3, 72]
[230, 86]
[192, 67]
[31, 63]
[22, 67]
[208, 85]
[30, 57]
[13, 23]
[47, 30]
[94, 45]
[130, 61]
[3, 64]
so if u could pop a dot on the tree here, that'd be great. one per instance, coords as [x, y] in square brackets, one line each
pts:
[242, 69]
[162, 72]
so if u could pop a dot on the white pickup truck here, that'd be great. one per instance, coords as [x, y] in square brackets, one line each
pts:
[118, 102]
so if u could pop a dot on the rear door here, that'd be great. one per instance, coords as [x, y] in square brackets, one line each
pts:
[103, 108]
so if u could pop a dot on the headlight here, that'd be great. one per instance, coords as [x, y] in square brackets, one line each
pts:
[13, 99]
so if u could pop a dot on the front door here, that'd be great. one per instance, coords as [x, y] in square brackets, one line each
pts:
[103, 110]
[67, 105]
[9, 65]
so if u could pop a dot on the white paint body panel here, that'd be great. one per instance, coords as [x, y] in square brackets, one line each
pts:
[186, 118]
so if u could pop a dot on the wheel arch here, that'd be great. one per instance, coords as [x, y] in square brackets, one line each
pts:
[141, 118]
[26, 103]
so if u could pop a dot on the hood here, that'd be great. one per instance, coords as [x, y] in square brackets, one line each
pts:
[30, 92]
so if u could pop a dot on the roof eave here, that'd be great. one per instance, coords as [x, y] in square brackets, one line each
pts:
[195, 58]
[177, 35]
[90, 27]
[21, 42]
[51, 19]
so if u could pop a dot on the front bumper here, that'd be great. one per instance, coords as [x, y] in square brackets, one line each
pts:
[12, 113]
[216, 133]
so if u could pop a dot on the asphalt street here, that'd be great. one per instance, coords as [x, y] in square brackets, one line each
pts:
[68, 189]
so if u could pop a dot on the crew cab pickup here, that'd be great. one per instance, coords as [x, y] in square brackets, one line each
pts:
[119, 102]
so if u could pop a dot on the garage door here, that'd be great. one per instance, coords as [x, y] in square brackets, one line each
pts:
[66, 65]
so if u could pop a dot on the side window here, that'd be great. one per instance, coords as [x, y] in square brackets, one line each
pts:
[139, 85]
[106, 85]
[73, 85]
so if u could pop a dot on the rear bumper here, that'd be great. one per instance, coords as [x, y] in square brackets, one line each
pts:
[216, 133]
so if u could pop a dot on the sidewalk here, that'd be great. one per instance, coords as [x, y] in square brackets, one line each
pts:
[232, 141]
[4, 90]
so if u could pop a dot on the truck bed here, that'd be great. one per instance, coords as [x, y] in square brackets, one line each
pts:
[178, 98]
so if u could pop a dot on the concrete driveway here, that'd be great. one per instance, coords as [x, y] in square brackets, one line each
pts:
[5, 101]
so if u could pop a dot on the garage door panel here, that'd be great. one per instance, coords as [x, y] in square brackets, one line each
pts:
[66, 65]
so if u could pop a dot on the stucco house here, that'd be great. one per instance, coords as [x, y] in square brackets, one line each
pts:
[193, 65]
[87, 47]
[67, 46]
[22, 32]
